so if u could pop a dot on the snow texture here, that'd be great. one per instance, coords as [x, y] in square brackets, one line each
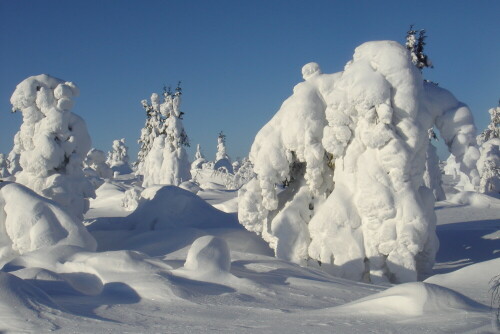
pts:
[29, 222]
[350, 150]
[51, 143]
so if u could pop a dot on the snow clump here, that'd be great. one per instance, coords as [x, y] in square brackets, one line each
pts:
[52, 142]
[118, 158]
[340, 167]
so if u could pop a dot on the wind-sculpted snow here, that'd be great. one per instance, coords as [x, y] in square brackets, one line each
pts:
[350, 150]
[29, 222]
[51, 143]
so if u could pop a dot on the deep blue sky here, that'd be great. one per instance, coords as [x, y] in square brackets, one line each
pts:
[238, 60]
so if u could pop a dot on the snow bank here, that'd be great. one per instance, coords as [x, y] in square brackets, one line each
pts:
[172, 207]
[52, 142]
[412, 299]
[29, 222]
[350, 150]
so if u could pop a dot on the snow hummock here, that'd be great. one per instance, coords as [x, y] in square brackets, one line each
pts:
[208, 254]
[413, 299]
[37, 223]
[349, 149]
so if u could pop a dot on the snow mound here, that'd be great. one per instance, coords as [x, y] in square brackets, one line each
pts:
[208, 254]
[475, 199]
[412, 299]
[37, 223]
[173, 207]
[21, 305]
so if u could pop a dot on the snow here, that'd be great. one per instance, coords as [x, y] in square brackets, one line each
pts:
[203, 273]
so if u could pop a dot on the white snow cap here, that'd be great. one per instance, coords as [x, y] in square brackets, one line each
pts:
[350, 150]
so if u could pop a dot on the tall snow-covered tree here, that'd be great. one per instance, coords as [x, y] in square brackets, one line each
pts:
[222, 161]
[489, 160]
[154, 127]
[352, 146]
[167, 161]
[432, 174]
[4, 164]
[118, 158]
[52, 142]
[415, 44]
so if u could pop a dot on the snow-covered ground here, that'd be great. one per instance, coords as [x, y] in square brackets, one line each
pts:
[152, 273]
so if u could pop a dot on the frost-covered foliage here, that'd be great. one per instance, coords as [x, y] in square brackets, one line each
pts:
[4, 164]
[52, 142]
[167, 160]
[416, 47]
[222, 161]
[242, 175]
[118, 158]
[36, 223]
[489, 162]
[350, 149]
[199, 159]
[493, 129]
[432, 174]
[489, 166]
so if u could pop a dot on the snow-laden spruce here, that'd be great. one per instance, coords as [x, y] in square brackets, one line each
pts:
[167, 161]
[51, 143]
[350, 150]
[489, 161]
[222, 161]
[118, 158]
[4, 166]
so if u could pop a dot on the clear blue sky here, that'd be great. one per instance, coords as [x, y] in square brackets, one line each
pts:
[237, 60]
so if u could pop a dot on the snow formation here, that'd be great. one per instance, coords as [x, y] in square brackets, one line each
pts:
[4, 170]
[349, 149]
[51, 143]
[199, 159]
[166, 161]
[96, 168]
[37, 223]
[489, 161]
[222, 161]
[118, 158]
[432, 174]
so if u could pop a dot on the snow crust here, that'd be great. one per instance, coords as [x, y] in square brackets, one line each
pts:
[350, 149]
[51, 143]
[29, 222]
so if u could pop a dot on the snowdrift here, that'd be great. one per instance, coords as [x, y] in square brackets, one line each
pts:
[173, 207]
[412, 299]
[29, 222]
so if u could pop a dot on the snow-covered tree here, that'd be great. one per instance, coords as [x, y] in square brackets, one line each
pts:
[222, 161]
[416, 47]
[432, 174]
[350, 149]
[4, 164]
[52, 142]
[95, 167]
[154, 127]
[118, 158]
[489, 161]
[167, 160]
[199, 159]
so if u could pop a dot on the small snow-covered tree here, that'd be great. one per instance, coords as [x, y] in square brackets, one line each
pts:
[4, 163]
[350, 149]
[222, 161]
[415, 44]
[118, 158]
[52, 142]
[432, 174]
[493, 128]
[167, 161]
[96, 169]
[199, 159]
